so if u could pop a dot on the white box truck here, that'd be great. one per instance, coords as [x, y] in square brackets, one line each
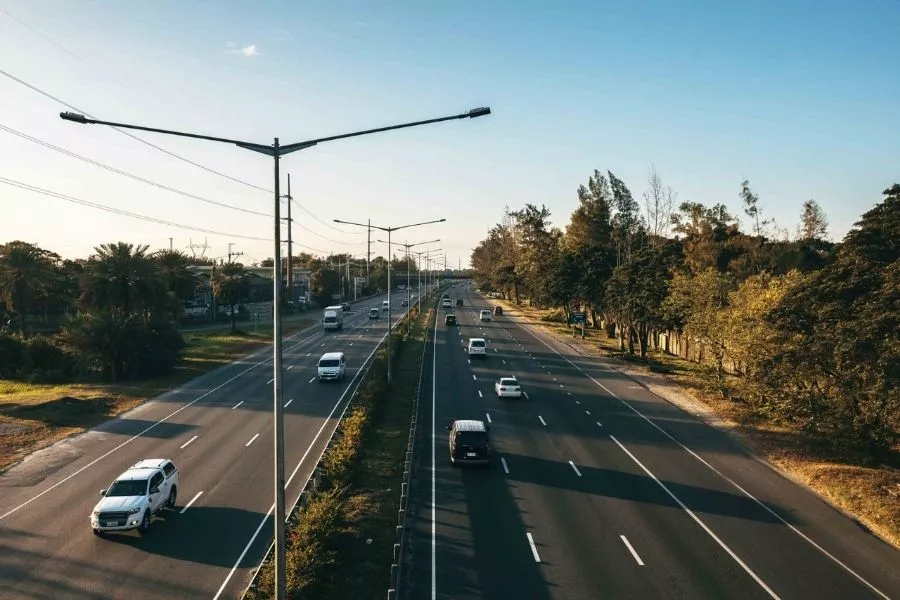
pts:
[333, 317]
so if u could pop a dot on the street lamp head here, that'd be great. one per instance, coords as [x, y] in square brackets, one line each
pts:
[479, 112]
[70, 116]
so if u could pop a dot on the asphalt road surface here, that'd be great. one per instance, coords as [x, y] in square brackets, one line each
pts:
[600, 489]
[218, 431]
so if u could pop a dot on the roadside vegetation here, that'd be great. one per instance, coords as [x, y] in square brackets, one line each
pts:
[340, 544]
[792, 341]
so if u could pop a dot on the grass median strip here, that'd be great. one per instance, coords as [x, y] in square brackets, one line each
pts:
[340, 545]
[35, 415]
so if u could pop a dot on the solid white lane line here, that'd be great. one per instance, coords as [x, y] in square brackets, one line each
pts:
[289, 367]
[541, 419]
[805, 537]
[598, 424]
[251, 440]
[236, 405]
[699, 522]
[311, 380]
[288, 402]
[505, 468]
[270, 381]
[184, 445]
[480, 395]
[631, 549]
[188, 505]
[488, 417]
[574, 468]
[537, 557]
[433, 469]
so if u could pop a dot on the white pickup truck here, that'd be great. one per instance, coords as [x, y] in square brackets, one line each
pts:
[136, 496]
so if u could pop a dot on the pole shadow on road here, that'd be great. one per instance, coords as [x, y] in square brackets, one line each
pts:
[637, 488]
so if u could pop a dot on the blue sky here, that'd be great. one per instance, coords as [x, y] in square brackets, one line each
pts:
[799, 97]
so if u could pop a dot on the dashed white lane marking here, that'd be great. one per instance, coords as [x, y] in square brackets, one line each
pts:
[495, 350]
[188, 505]
[503, 361]
[488, 417]
[526, 395]
[598, 424]
[288, 402]
[631, 549]
[289, 367]
[578, 402]
[270, 381]
[480, 395]
[236, 405]
[505, 468]
[587, 412]
[473, 377]
[322, 345]
[308, 353]
[313, 379]
[351, 343]
[569, 393]
[534, 551]
[541, 419]
[562, 386]
[185, 445]
[574, 468]
[554, 379]
[469, 360]
[251, 440]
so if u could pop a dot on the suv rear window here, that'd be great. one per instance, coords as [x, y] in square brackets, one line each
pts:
[477, 344]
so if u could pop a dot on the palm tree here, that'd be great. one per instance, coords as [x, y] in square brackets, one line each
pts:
[181, 283]
[26, 271]
[123, 280]
[230, 286]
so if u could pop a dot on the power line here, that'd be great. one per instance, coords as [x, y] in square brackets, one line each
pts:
[304, 209]
[127, 174]
[131, 135]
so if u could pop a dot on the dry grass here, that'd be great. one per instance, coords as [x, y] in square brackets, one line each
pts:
[33, 416]
[871, 494]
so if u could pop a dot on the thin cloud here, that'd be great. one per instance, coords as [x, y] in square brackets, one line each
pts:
[280, 34]
[250, 50]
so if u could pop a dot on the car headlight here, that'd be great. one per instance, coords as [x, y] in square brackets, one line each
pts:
[96, 513]
[134, 511]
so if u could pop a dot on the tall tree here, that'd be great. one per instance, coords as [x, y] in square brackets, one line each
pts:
[590, 221]
[230, 287]
[813, 222]
[627, 223]
[659, 202]
[26, 271]
[181, 283]
[753, 210]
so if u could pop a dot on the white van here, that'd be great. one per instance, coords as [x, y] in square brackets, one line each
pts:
[384, 305]
[332, 365]
[485, 315]
[477, 347]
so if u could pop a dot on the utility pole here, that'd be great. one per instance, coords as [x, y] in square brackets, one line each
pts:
[290, 270]
[170, 245]
[368, 249]
[232, 254]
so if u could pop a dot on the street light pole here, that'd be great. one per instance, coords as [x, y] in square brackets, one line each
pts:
[389, 230]
[276, 151]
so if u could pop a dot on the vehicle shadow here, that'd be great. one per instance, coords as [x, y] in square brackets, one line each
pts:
[212, 535]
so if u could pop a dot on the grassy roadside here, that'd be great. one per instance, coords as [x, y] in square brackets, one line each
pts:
[33, 416]
[871, 493]
[341, 544]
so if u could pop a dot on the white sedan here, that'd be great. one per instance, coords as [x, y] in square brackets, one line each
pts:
[508, 387]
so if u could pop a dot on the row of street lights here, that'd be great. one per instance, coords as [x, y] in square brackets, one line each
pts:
[276, 151]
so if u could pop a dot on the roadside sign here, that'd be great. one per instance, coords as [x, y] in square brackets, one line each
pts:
[577, 317]
[335, 296]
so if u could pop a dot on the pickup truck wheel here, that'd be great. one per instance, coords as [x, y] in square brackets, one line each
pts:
[145, 522]
[173, 495]
[98, 533]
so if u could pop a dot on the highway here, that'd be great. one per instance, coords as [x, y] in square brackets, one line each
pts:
[600, 489]
[218, 431]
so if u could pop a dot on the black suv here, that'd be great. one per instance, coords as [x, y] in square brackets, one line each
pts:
[498, 310]
[450, 320]
[469, 442]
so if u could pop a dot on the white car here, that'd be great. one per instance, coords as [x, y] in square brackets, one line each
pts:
[508, 387]
[445, 303]
[136, 496]
[485, 315]
[477, 347]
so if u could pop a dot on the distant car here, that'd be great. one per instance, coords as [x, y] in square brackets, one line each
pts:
[345, 306]
[459, 302]
[485, 315]
[508, 387]
[445, 303]
[469, 442]
[136, 496]
[450, 320]
[404, 303]
[384, 305]
[477, 347]
[374, 313]
[498, 310]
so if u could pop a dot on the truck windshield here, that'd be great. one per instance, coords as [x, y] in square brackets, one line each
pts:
[329, 363]
[131, 487]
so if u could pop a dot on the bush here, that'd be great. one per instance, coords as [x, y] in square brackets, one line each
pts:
[42, 355]
[554, 316]
[12, 356]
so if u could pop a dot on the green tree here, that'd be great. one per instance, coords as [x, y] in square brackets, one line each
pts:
[26, 272]
[589, 224]
[627, 223]
[181, 284]
[231, 287]
[813, 222]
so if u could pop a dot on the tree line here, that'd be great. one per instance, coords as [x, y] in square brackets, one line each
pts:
[115, 315]
[811, 328]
